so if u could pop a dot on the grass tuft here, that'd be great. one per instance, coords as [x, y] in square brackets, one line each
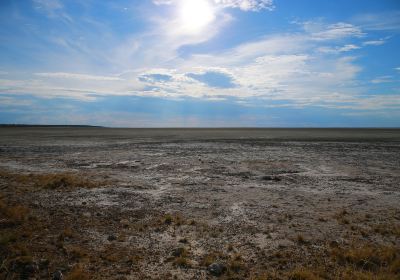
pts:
[78, 273]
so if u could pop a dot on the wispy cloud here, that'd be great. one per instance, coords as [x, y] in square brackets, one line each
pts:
[292, 68]
[345, 48]
[383, 21]
[49, 6]
[382, 79]
[52, 8]
[245, 5]
[315, 65]
[321, 31]
[374, 42]
[74, 76]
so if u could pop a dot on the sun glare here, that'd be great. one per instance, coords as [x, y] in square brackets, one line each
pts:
[195, 15]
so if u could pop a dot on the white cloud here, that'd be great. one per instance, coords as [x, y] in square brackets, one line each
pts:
[163, 2]
[374, 42]
[345, 48]
[299, 78]
[245, 5]
[349, 47]
[293, 69]
[280, 67]
[321, 31]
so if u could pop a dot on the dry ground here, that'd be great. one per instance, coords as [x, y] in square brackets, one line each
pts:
[168, 204]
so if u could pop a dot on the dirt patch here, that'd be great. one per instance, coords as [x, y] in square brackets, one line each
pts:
[199, 208]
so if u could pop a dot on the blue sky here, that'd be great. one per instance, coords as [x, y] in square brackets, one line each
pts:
[200, 63]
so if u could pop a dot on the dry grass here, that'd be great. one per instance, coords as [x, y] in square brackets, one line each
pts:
[342, 217]
[360, 261]
[211, 257]
[76, 252]
[59, 181]
[367, 257]
[303, 274]
[181, 257]
[168, 219]
[175, 219]
[78, 273]
[7, 238]
[300, 239]
[67, 233]
[236, 264]
[295, 262]
[387, 229]
[182, 262]
[62, 181]
[15, 214]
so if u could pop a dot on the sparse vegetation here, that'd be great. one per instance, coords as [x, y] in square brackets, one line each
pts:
[168, 219]
[52, 181]
[303, 274]
[208, 259]
[300, 239]
[367, 257]
[236, 263]
[48, 223]
[182, 262]
[14, 214]
[78, 273]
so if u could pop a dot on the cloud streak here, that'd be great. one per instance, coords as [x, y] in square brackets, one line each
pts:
[74, 76]
[245, 5]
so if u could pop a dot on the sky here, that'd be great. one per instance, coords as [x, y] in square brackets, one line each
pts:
[200, 63]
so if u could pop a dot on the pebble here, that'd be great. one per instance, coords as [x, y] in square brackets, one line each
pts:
[125, 223]
[111, 237]
[178, 252]
[58, 275]
[216, 269]
[87, 214]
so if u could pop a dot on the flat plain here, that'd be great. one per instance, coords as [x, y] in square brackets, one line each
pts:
[102, 203]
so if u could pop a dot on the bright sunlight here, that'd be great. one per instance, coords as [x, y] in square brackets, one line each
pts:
[195, 15]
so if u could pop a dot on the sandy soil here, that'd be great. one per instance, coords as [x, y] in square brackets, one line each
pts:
[199, 204]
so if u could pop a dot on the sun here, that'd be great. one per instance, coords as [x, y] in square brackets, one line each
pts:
[195, 15]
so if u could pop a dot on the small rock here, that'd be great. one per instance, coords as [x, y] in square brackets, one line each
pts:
[216, 269]
[270, 178]
[58, 275]
[31, 268]
[87, 214]
[43, 263]
[111, 237]
[178, 252]
[334, 243]
[125, 223]
[183, 240]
